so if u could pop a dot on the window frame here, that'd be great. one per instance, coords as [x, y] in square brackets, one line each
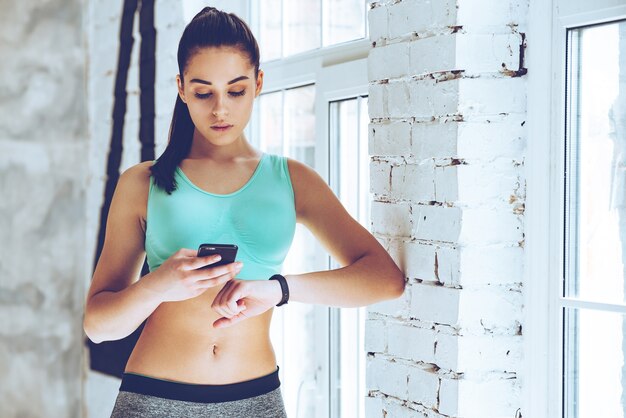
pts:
[543, 368]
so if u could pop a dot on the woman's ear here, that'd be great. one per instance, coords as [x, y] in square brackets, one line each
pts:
[181, 92]
[259, 83]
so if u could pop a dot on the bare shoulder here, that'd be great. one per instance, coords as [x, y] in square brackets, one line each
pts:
[133, 186]
[306, 182]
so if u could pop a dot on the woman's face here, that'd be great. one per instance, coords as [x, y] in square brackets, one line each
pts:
[219, 89]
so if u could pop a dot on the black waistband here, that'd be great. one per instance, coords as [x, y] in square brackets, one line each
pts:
[192, 392]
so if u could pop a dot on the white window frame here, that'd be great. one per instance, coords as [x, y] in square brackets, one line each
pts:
[335, 86]
[549, 22]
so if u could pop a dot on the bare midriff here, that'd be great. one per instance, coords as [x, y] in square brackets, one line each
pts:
[179, 343]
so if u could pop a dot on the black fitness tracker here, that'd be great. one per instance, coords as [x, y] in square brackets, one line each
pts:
[283, 285]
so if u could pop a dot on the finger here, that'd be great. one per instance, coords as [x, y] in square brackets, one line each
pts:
[232, 295]
[227, 322]
[211, 272]
[229, 300]
[187, 252]
[218, 303]
[214, 281]
[195, 262]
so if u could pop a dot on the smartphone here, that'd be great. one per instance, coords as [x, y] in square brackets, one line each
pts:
[227, 251]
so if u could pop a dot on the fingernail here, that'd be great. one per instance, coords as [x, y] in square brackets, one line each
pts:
[217, 257]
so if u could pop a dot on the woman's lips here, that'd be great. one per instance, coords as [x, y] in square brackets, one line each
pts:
[221, 128]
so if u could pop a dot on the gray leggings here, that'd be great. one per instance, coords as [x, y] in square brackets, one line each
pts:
[145, 397]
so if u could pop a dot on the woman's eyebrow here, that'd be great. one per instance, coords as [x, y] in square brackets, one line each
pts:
[234, 80]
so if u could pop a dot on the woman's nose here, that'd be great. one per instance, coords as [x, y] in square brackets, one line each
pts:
[219, 110]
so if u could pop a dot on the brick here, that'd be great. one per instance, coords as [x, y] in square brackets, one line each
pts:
[494, 96]
[380, 174]
[478, 353]
[485, 53]
[376, 101]
[432, 54]
[503, 138]
[436, 223]
[494, 398]
[472, 53]
[489, 226]
[446, 184]
[480, 184]
[375, 336]
[413, 181]
[399, 99]
[388, 377]
[449, 397]
[432, 99]
[373, 407]
[377, 18]
[415, 259]
[411, 343]
[478, 140]
[423, 387]
[390, 61]
[435, 303]
[449, 265]
[492, 13]
[390, 138]
[395, 409]
[490, 310]
[410, 16]
[391, 219]
[434, 139]
[490, 265]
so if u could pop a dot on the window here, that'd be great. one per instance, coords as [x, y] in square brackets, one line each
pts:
[574, 332]
[313, 108]
[595, 222]
[288, 27]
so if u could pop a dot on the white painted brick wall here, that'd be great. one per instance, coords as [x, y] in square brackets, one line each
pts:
[447, 138]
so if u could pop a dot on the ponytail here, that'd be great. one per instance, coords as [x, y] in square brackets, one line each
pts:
[178, 147]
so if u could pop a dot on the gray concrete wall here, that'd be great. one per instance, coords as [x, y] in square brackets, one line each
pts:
[43, 140]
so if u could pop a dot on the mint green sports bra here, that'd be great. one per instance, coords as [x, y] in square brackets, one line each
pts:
[260, 218]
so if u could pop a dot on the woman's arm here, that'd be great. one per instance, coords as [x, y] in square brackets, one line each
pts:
[368, 274]
[116, 302]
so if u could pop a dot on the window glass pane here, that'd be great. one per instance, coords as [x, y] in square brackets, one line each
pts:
[302, 31]
[344, 20]
[597, 159]
[350, 181]
[594, 365]
[300, 124]
[270, 29]
[271, 122]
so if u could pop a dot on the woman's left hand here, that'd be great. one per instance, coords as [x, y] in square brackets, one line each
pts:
[241, 299]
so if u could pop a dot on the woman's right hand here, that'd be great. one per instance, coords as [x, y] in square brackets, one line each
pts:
[179, 277]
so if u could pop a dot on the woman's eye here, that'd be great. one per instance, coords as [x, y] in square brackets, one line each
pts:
[203, 95]
[237, 93]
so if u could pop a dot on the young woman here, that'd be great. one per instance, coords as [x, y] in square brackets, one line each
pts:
[205, 348]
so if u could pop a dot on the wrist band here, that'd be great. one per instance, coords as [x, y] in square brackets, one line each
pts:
[283, 285]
